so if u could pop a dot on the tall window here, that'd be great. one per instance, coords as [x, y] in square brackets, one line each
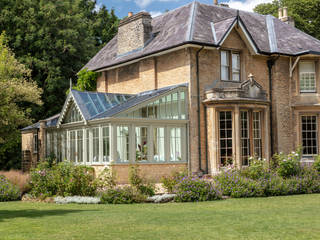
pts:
[87, 142]
[158, 144]
[35, 142]
[175, 144]
[141, 143]
[309, 135]
[225, 134]
[307, 76]
[256, 129]
[80, 146]
[230, 66]
[95, 143]
[72, 146]
[245, 138]
[106, 143]
[122, 143]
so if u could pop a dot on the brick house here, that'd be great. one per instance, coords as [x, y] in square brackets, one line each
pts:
[196, 88]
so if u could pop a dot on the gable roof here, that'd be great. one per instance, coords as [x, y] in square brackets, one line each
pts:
[203, 24]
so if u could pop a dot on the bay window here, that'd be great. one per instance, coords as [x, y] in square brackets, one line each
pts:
[307, 76]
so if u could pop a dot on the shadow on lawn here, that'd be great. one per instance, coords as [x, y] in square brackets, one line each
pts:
[34, 213]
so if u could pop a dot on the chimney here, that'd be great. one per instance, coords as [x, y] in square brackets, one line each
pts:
[215, 2]
[283, 16]
[130, 14]
[133, 32]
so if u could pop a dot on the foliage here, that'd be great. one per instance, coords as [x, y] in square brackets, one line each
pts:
[19, 179]
[87, 80]
[77, 199]
[17, 88]
[257, 168]
[54, 39]
[169, 182]
[316, 164]
[139, 183]
[8, 191]
[192, 189]
[62, 179]
[289, 165]
[125, 195]
[306, 13]
[106, 179]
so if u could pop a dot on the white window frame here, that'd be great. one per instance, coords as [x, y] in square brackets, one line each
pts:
[301, 72]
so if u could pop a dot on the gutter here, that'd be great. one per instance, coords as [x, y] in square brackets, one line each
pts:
[198, 108]
[270, 64]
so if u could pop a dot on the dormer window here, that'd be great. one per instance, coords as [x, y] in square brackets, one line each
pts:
[230, 66]
[307, 75]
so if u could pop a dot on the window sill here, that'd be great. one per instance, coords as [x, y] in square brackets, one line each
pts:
[230, 81]
[149, 163]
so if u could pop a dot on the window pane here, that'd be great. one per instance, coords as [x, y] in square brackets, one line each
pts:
[122, 144]
[80, 146]
[95, 143]
[257, 141]
[88, 145]
[225, 65]
[106, 144]
[175, 144]
[158, 144]
[307, 77]
[309, 135]
[72, 146]
[245, 138]
[141, 144]
[225, 136]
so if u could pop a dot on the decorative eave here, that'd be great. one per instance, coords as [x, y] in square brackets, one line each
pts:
[66, 105]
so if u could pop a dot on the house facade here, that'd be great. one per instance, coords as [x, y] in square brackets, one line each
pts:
[199, 87]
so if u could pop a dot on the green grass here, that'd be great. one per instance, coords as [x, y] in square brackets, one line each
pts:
[292, 217]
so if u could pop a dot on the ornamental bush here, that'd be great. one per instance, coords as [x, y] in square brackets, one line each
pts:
[288, 165]
[62, 179]
[139, 183]
[193, 189]
[125, 195]
[316, 164]
[8, 191]
[169, 182]
[258, 168]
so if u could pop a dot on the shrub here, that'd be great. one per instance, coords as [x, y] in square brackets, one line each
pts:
[316, 164]
[191, 189]
[19, 179]
[106, 179]
[126, 195]
[8, 191]
[275, 186]
[258, 168]
[289, 165]
[63, 179]
[169, 182]
[139, 183]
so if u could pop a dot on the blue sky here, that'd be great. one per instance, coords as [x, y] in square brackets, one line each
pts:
[156, 7]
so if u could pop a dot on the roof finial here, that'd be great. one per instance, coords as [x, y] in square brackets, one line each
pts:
[70, 84]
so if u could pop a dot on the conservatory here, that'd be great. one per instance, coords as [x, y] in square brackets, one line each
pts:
[101, 128]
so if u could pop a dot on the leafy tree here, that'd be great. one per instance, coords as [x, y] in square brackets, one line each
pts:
[16, 88]
[306, 13]
[87, 80]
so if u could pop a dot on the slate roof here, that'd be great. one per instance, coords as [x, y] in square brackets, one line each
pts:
[109, 104]
[204, 24]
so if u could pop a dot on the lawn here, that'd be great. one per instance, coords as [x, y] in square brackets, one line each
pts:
[292, 217]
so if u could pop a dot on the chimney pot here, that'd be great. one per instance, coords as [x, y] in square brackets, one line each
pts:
[130, 14]
[285, 12]
[280, 13]
[215, 2]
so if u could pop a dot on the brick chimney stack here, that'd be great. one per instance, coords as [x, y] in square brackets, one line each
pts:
[215, 2]
[283, 16]
[133, 32]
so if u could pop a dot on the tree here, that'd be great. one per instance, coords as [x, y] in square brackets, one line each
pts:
[17, 88]
[306, 13]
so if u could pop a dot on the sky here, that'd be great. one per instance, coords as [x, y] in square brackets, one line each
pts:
[156, 7]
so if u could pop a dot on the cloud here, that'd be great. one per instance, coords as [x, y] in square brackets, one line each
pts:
[145, 3]
[246, 5]
[155, 13]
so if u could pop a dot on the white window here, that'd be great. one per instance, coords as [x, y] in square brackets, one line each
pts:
[141, 144]
[106, 144]
[225, 66]
[95, 142]
[158, 144]
[309, 131]
[122, 144]
[79, 153]
[175, 144]
[72, 146]
[35, 143]
[307, 76]
[230, 66]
